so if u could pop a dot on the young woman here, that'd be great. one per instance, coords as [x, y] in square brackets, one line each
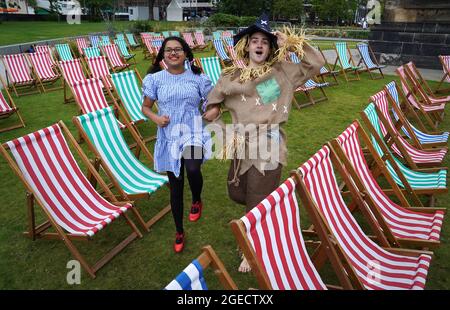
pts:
[260, 94]
[181, 141]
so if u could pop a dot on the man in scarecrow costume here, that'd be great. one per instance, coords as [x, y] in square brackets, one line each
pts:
[260, 94]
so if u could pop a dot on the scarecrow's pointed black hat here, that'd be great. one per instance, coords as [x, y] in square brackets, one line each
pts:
[261, 25]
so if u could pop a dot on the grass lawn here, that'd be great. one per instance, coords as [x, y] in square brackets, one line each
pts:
[150, 263]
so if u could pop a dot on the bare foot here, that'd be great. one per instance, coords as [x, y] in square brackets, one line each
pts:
[244, 267]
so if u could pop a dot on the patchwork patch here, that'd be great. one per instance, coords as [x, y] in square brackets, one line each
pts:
[269, 91]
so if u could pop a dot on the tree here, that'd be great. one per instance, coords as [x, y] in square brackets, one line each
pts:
[245, 8]
[335, 10]
[290, 9]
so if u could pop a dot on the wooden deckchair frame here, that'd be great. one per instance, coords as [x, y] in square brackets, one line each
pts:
[309, 95]
[132, 56]
[376, 168]
[66, 84]
[122, 195]
[374, 59]
[433, 118]
[126, 65]
[422, 83]
[128, 42]
[337, 256]
[39, 232]
[380, 224]
[14, 108]
[392, 137]
[46, 82]
[344, 71]
[403, 121]
[444, 78]
[330, 72]
[16, 87]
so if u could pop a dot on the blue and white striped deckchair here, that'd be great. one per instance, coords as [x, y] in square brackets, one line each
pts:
[365, 52]
[130, 177]
[131, 40]
[308, 87]
[211, 67]
[345, 60]
[124, 50]
[421, 181]
[95, 41]
[64, 51]
[90, 52]
[192, 277]
[412, 132]
[220, 50]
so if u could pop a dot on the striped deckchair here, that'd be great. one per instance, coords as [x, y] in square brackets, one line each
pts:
[105, 40]
[19, 75]
[432, 113]
[308, 87]
[148, 50]
[200, 38]
[82, 43]
[445, 61]
[414, 157]
[420, 137]
[187, 36]
[72, 72]
[228, 41]
[192, 277]
[211, 67]
[89, 96]
[124, 50]
[43, 69]
[366, 57]
[64, 52]
[130, 177]
[131, 40]
[116, 61]
[422, 86]
[403, 225]
[423, 182]
[175, 34]
[166, 34]
[220, 51]
[326, 71]
[95, 41]
[271, 239]
[217, 35]
[98, 66]
[345, 59]
[8, 108]
[92, 52]
[369, 265]
[120, 36]
[237, 62]
[44, 162]
[48, 50]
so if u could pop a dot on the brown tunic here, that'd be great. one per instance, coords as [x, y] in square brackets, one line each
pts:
[265, 101]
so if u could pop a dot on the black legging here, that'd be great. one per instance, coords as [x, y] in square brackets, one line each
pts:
[195, 179]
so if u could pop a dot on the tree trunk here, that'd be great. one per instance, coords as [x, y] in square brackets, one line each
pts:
[150, 9]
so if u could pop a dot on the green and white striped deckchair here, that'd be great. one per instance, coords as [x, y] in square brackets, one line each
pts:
[166, 34]
[105, 40]
[90, 52]
[423, 182]
[131, 40]
[132, 179]
[175, 34]
[64, 51]
[217, 35]
[130, 94]
[124, 49]
[345, 60]
[211, 67]
[120, 36]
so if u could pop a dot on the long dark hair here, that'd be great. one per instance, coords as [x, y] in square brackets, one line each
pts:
[187, 50]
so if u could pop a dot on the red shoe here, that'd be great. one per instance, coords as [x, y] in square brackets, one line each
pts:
[196, 211]
[178, 246]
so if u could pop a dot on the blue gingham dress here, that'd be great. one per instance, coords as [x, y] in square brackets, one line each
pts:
[179, 97]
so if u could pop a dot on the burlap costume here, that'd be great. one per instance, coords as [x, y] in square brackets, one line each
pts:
[264, 101]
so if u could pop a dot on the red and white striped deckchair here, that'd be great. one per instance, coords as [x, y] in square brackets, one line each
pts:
[401, 147]
[369, 265]
[445, 61]
[48, 50]
[8, 108]
[200, 39]
[72, 72]
[82, 43]
[43, 69]
[117, 63]
[53, 179]
[423, 87]
[403, 225]
[433, 113]
[19, 75]
[98, 66]
[187, 36]
[271, 239]
[237, 62]
[89, 95]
